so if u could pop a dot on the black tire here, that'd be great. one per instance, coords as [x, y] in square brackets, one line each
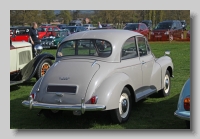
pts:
[166, 90]
[41, 70]
[115, 114]
[51, 114]
[187, 124]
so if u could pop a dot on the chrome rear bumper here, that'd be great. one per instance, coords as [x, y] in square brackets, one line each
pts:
[75, 107]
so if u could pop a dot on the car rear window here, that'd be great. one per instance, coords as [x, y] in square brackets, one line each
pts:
[132, 27]
[85, 47]
[164, 25]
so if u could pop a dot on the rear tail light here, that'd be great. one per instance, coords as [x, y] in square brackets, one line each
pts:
[94, 99]
[33, 96]
[186, 102]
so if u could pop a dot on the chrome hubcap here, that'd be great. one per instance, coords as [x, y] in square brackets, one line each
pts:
[123, 105]
[166, 84]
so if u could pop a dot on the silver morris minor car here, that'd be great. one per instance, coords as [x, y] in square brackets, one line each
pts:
[101, 70]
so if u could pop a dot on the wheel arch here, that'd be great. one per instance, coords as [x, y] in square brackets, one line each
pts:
[169, 68]
[130, 88]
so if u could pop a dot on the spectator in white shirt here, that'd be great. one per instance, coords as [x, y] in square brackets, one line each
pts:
[100, 26]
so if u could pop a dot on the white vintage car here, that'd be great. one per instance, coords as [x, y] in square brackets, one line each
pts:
[23, 66]
[116, 69]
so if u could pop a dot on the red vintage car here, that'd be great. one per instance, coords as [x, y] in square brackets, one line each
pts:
[49, 29]
[167, 30]
[21, 33]
[138, 27]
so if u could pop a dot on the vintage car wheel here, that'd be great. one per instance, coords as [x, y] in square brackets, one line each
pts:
[43, 67]
[122, 113]
[167, 85]
[51, 113]
[187, 124]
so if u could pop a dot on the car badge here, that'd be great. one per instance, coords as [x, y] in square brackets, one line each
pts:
[64, 78]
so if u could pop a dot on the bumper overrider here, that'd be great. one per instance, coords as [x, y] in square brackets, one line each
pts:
[75, 107]
[185, 115]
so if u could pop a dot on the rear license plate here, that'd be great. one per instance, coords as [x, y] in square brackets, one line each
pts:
[64, 89]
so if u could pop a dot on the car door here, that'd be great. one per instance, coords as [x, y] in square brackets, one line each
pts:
[146, 60]
[131, 64]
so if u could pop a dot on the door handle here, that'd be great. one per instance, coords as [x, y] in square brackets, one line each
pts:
[143, 62]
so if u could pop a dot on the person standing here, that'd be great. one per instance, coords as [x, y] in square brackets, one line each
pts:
[33, 35]
[100, 26]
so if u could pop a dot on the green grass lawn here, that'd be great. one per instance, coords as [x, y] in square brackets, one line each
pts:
[151, 113]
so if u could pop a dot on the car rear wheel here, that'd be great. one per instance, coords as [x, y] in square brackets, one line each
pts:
[51, 113]
[167, 85]
[122, 113]
[43, 67]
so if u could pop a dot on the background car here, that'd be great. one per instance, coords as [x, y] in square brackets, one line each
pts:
[45, 25]
[138, 27]
[20, 33]
[48, 30]
[62, 26]
[164, 29]
[74, 29]
[23, 66]
[183, 106]
[148, 23]
[116, 69]
[184, 24]
[54, 40]
[89, 26]
[42, 32]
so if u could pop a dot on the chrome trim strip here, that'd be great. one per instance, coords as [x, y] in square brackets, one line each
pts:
[93, 63]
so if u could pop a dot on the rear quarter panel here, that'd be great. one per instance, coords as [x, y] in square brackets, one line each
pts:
[165, 62]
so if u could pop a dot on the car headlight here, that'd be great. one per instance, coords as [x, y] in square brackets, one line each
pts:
[166, 33]
[152, 33]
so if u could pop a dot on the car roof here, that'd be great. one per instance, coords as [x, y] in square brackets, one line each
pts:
[20, 27]
[111, 35]
[116, 37]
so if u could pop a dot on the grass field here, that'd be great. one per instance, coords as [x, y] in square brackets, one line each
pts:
[151, 113]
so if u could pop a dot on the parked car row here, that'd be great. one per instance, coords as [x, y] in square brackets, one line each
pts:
[162, 32]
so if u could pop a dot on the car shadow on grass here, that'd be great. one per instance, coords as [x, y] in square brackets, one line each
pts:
[145, 115]
[18, 86]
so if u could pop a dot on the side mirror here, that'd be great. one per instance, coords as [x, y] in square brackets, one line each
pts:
[38, 49]
[167, 52]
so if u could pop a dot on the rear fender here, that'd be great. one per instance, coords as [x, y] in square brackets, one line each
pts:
[166, 64]
[30, 69]
[110, 90]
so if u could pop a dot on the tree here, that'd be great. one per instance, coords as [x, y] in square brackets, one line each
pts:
[48, 15]
[65, 14]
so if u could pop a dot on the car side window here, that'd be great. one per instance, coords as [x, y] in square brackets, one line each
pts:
[129, 49]
[142, 46]
[55, 29]
[50, 29]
